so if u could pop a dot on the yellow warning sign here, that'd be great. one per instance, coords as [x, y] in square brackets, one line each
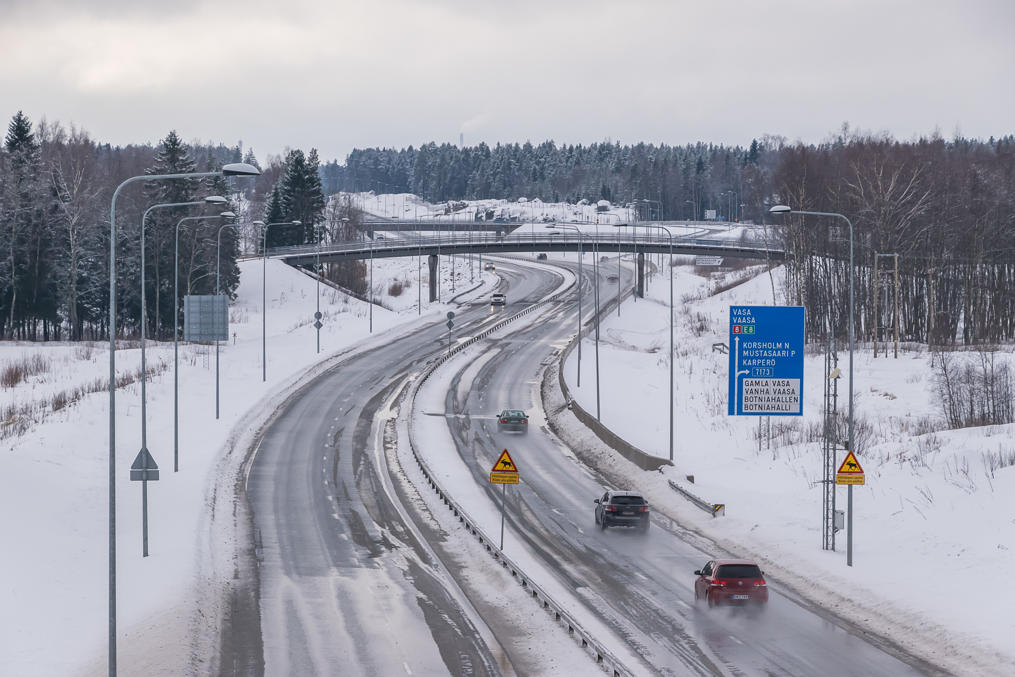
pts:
[503, 478]
[850, 472]
[504, 464]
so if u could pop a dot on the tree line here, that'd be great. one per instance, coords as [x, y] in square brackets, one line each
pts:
[946, 208]
[55, 189]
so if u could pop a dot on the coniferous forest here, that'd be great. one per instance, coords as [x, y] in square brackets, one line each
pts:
[945, 207]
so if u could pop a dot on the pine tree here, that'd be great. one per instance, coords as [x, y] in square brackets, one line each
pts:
[173, 157]
[28, 292]
[301, 196]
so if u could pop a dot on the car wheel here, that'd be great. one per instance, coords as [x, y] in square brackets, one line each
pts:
[602, 524]
[643, 527]
[710, 600]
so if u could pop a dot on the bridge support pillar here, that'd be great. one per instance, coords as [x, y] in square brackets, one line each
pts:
[640, 276]
[432, 263]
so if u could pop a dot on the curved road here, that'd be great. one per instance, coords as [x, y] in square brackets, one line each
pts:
[349, 584]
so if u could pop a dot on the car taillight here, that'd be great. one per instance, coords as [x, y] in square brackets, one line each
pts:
[611, 508]
[718, 583]
[643, 508]
[760, 582]
[525, 420]
[503, 420]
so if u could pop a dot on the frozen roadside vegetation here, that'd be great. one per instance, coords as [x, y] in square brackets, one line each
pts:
[934, 522]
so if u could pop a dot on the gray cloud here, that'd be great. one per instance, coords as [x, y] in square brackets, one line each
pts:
[337, 75]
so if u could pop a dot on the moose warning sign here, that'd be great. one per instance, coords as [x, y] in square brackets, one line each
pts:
[504, 471]
[850, 471]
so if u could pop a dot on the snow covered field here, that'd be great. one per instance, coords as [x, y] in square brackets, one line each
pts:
[934, 525]
[53, 477]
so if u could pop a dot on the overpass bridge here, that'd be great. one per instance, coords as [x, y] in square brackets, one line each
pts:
[608, 239]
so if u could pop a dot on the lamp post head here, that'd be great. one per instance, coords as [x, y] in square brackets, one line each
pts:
[240, 169]
[257, 223]
[215, 200]
[227, 215]
[296, 223]
[780, 209]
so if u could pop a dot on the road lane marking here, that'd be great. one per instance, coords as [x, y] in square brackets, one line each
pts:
[735, 640]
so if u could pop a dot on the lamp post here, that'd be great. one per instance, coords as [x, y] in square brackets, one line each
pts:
[670, 235]
[264, 289]
[233, 169]
[176, 333]
[317, 313]
[215, 199]
[371, 308]
[580, 262]
[783, 209]
[218, 265]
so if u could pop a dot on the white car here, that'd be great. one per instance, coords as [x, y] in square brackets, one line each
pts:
[498, 300]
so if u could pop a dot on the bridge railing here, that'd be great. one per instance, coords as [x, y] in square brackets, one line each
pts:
[626, 238]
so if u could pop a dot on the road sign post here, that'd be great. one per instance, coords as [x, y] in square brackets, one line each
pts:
[851, 474]
[144, 469]
[450, 323]
[504, 472]
[766, 364]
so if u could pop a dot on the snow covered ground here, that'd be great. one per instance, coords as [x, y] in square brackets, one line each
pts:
[934, 525]
[54, 475]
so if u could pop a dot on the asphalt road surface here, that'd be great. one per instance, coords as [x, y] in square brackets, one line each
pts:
[349, 585]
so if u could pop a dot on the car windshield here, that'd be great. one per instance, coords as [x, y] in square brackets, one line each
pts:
[738, 571]
[514, 414]
[628, 500]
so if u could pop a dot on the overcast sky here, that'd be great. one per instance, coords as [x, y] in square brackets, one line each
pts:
[342, 74]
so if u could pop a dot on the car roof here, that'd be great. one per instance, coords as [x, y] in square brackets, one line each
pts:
[721, 562]
[624, 492]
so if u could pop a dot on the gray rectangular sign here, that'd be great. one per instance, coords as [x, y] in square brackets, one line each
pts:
[206, 318]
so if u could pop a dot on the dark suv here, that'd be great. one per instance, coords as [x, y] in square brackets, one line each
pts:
[730, 581]
[622, 508]
[512, 419]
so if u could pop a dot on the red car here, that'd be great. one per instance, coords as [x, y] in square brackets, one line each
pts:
[730, 581]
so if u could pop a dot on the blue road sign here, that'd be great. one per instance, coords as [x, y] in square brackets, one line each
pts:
[766, 361]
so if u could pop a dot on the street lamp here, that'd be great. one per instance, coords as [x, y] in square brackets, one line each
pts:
[580, 261]
[218, 266]
[214, 199]
[783, 209]
[211, 199]
[232, 169]
[317, 313]
[264, 289]
[670, 235]
[176, 331]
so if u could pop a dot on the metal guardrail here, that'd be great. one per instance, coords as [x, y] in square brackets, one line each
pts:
[601, 654]
[715, 509]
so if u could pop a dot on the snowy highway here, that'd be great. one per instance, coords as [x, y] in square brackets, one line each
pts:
[350, 582]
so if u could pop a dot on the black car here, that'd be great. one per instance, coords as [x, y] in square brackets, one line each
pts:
[623, 509]
[513, 419]
[489, 266]
[541, 256]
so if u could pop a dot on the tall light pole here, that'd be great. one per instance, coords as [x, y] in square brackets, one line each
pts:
[233, 169]
[317, 313]
[144, 365]
[783, 209]
[371, 308]
[176, 332]
[218, 266]
[264, 289]
[580, 262]
[670, 235]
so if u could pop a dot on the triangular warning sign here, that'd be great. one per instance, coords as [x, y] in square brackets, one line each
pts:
[504, 463]
[850, 466]
[144, 468]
